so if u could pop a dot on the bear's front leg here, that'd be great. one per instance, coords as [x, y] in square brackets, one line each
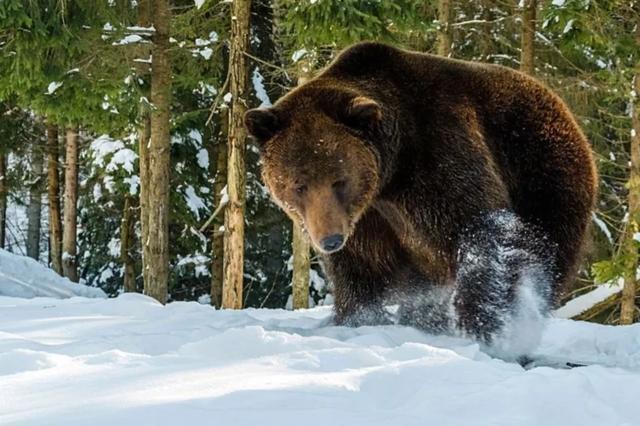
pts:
[503, 280]
[426, 306]
[358, 291]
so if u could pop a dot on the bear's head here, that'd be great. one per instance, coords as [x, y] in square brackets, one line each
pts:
[317, 159]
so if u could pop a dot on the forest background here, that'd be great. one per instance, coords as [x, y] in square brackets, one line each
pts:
[124, 163]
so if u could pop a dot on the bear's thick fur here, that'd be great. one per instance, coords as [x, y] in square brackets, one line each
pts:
[394, 160]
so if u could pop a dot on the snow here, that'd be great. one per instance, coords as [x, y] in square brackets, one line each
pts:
[601, 64]
[298, 54]
[129, 39]
[132, 361]
[203, 158]
[225, 195]
[206, 52]
[581, 303]
[602, 225]
[144, 30]
[53, 86]
[194, 201]
[21, 276]
[200, 264]
[258, 85]
[196, 137]
[121, 156]
[568, 27]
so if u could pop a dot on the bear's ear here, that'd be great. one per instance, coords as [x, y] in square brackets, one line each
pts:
[363, 113]
[262, 124]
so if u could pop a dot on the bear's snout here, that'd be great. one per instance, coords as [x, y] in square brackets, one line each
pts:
[325, 218]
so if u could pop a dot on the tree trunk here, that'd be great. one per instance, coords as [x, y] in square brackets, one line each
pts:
[234, 213]
[527, 57]
[301, 266]
[628, 299]
[486, 41]
[300, 246]
[3, 199]
[445, 33]
[144, 135]
[69, 237]
[159, 157]
[217, 255]
[34, 210]
[126, 242]
[53, 185]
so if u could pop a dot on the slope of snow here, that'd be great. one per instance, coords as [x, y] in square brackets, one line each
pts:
[131, 361]
[582, 303]
[21, 276]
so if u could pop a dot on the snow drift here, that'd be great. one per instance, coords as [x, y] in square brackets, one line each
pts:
[21, 276]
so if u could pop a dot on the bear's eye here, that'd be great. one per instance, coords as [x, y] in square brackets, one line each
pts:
[339, 188]
[301, 189]
[339, 184]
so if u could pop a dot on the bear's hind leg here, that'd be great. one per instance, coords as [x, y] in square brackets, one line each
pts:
[503, 282]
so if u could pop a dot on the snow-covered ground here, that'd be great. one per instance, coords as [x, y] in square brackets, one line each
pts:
[21, 276]
[131, 361]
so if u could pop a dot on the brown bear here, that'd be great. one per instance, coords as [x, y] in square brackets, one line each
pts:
[433, 182]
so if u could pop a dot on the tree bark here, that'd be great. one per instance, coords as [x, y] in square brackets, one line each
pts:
[144, 135]
[3, 199]
[628, 299]
[126, 243]
[301, 266]
[69, 237]
[53, 185]
[159, 156]
[217, 255]
[34, 210]
[445, 33]
[300, 245]
[234, 213]
[527, 57]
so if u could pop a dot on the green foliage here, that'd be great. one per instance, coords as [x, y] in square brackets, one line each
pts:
[606, 271]
[335, 24]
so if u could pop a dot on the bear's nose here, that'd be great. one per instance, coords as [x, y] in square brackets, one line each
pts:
[332, 242]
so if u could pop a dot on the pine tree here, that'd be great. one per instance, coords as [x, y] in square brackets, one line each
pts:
[53, 191]
[34, 209]
[445, 33]
[232, 295]
[300, 246]
[144, 135]
[159, 156]
[527, 57]
[127, 231]
[69, 237]
[217, 237]
[3, 199]
[628, 301]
